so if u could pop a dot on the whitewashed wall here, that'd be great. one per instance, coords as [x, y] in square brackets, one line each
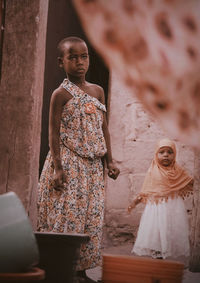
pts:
[133, 136]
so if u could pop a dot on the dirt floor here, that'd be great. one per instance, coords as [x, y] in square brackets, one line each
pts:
[95, 274]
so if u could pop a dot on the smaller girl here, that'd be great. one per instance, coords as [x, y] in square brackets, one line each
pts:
[163, 230]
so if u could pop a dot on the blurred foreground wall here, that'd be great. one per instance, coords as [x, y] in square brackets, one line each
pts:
[21, 97]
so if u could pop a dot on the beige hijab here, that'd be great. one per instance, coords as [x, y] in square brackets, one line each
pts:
[161, 182]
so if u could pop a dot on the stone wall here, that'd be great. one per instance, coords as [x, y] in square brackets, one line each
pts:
[133, 136]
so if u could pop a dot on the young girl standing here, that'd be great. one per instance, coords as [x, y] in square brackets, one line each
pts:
[163, 230]
[71, 191]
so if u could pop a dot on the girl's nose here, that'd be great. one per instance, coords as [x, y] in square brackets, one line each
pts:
[79, 60]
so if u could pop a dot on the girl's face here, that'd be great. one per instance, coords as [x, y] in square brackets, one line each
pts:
[165, 156]
[75, 60]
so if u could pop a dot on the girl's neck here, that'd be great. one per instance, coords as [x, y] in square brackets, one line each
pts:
[77, 81]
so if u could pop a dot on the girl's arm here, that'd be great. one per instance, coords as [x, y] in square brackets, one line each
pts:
[58, 99]
[113, 171]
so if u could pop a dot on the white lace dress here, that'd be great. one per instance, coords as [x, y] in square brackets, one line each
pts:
[164, 231]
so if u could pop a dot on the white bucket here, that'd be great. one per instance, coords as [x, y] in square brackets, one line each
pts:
[18, 246]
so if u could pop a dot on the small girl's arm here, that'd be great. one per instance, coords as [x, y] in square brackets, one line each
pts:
[135, 202]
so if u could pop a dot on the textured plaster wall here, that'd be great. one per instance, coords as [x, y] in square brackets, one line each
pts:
[133, 136]
[21, 96]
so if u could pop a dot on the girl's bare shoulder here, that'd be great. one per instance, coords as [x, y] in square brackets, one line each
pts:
[96, 91]
[60, 95]
[94, 86]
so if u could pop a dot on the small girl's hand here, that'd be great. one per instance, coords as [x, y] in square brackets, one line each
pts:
[130, 207]
[137, 200]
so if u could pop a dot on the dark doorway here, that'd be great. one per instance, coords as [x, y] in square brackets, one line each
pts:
[62, 22]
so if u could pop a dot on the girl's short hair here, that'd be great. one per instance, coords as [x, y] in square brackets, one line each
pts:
[67, 39]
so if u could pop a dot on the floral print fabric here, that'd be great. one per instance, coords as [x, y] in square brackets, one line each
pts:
[81, 123]
[79, 207]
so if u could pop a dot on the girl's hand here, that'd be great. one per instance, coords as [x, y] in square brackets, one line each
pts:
[130, 207]
[59, 180]
[137, 200]
[113, 172]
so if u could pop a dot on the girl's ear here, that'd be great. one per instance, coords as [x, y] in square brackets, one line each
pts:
[60, 62]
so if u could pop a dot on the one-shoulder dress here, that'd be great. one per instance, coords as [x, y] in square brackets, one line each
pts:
[79, 207]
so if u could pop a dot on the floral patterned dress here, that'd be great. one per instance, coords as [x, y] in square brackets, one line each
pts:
[79, 208]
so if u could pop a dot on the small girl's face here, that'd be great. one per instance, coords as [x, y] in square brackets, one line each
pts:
[165, 156]
[75, 60]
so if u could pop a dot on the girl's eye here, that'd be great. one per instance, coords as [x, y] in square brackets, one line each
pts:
[72, 58]
[75, 57]
[85, 56]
